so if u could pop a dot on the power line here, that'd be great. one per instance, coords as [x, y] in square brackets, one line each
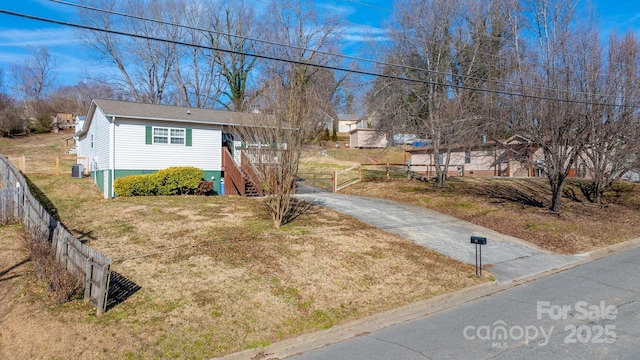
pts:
[360, 59]
[328, 67]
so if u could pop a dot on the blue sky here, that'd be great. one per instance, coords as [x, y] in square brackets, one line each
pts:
[364, 17]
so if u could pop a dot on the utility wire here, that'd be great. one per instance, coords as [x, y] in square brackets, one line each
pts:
[360, 59]
[328, 67]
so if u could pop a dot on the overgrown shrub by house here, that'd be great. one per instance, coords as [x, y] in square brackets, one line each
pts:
[135, 185]
[64, 285]
[172, 181]
[178, 180]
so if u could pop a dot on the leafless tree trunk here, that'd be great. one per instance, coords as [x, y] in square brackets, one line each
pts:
[34, 79]
[612, 144]
[448, 48]
[291, 97]
[552, 120]
[35, 76]
[196, 77]
[145, 66]
[233, 24]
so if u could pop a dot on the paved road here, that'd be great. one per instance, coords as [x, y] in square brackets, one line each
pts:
[510, 258]
[591, 311]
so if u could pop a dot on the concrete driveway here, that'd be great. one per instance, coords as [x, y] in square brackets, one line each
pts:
[510, 258]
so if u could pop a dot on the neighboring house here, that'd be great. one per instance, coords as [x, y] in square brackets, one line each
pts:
[120, 138]
[64, 121]
[365, 136]
[513, 157]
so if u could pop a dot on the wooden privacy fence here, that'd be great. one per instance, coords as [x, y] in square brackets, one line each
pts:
[10, 211]
[17, 204]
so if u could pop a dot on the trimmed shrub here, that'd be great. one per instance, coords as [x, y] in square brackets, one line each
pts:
[178, 180]
[135, 185]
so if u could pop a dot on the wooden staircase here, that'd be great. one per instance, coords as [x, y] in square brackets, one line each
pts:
[238, 180]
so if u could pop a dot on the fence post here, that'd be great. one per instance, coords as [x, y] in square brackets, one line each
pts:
[103, 291]
[88, 278]
[387, 170]
[334, 186]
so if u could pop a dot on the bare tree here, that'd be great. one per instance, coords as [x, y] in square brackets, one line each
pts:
[145, 66]
[33, 80]
[233, 24]
[291, 97]
[613, 142]
[35, 77]
[446, 50]
[552, 119]
[77, 98]
[197, 76]
[275, 145]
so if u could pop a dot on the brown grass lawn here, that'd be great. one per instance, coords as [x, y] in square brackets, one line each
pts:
[214, 276]
[519, 207]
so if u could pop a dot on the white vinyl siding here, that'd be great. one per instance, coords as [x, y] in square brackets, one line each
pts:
[133, 153]
[95, 144]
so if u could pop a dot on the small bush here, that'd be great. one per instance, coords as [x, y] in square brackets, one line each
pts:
[65, 285]
[178, 180]
[205, 188]
[135, 185]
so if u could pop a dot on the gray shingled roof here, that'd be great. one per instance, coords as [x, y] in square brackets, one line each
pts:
[132, 110]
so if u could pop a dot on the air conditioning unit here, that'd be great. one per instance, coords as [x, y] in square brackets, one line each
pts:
[77, 170]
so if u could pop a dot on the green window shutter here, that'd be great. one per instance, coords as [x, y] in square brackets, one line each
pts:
[149, 135]
[188, 137]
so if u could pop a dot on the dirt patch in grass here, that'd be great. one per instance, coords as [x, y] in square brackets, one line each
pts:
[519, 207]
[212, 276]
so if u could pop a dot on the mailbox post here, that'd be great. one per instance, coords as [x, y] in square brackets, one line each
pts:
[478, 241]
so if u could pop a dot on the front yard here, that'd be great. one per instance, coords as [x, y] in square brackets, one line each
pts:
[207, 275]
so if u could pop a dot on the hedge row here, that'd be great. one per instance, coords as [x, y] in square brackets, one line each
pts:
[172, 181]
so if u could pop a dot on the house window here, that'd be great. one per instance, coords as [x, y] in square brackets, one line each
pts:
[177, 136]
[92, 141]
[160, 135]
[467, 157]
[168, 136]
[441, 158]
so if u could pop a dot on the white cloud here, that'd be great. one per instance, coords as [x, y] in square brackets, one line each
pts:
[37, 37]
[364, 33]
[339, 9]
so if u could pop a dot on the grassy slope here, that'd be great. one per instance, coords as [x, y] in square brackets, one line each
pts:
[519, 207]
[214, 276]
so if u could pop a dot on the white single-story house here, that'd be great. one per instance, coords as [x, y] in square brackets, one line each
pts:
[120, 138]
